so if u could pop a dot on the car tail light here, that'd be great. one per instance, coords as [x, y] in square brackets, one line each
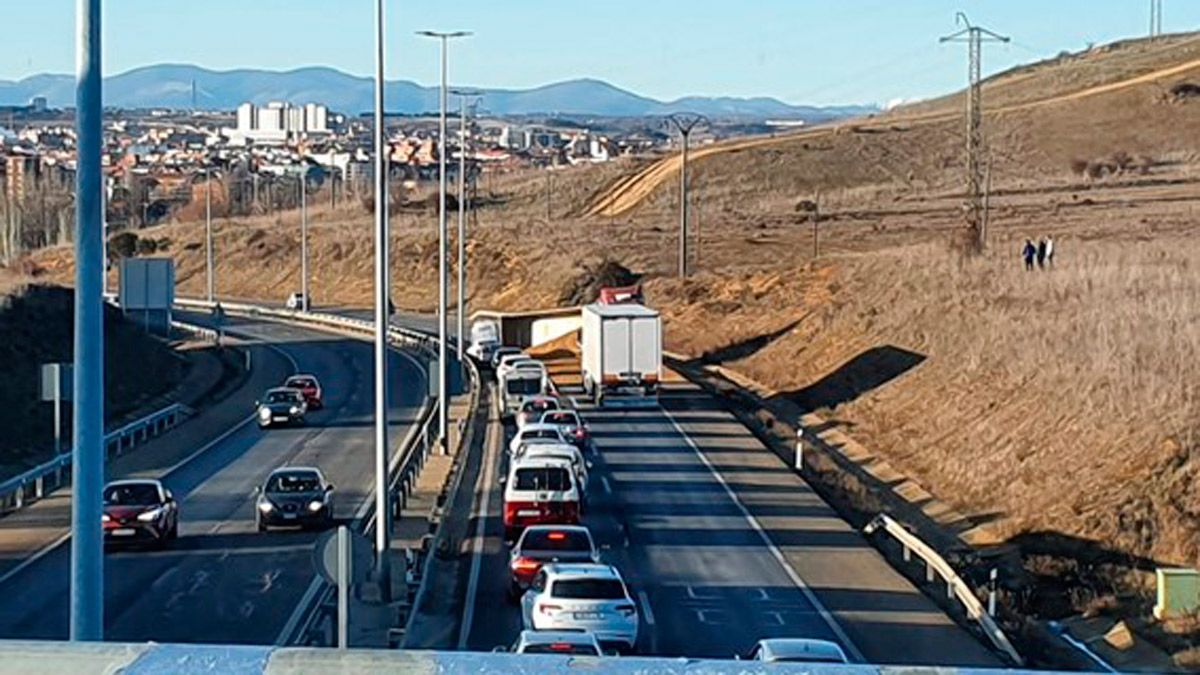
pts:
[627, 610]
[549, 609]
[579, 433]
[556, 536]
[560, 647]
[525, 564]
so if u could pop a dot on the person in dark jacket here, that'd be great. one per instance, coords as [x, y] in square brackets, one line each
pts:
[1041, 253]
[1029, 253]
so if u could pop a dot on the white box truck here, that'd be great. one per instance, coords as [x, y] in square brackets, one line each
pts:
[622, 354]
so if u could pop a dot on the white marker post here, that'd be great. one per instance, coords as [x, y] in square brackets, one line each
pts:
[799, 449]
[343, 587]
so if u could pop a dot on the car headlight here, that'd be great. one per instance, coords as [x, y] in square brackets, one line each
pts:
[150, 516]
[266, 506]
[264, 413]
[104, 517]
[295, 410]
[316, 505]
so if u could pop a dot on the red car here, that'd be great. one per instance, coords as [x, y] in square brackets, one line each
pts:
[574, 429]
[541, 544]
[139, 512]
[309, 386]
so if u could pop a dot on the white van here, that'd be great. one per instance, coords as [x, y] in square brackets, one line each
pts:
[540, 490]
[517, 385]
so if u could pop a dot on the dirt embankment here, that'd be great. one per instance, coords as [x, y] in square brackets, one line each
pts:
[35, 328]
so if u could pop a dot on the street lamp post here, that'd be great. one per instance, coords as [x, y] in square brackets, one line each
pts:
[462, 217]
[87, 552]
[443, 277]
[208, 233]
[383, 510]
[304, 241]
[685, 123]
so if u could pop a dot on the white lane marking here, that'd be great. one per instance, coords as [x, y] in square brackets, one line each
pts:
[464, 632]
[35, 557]
[604, 482]
[647, 613]
[775, 552]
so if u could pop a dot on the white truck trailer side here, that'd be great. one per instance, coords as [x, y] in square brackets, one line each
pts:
[621, 357]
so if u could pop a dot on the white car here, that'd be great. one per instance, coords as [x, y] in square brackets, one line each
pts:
[571, 643]
[564, 451]
[582, 596]
[535, 433]
[533, 407]
[506, 361]
[797, 650]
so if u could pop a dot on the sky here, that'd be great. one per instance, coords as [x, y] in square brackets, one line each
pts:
[822, 52]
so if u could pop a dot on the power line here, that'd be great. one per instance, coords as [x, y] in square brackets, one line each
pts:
[974, 36]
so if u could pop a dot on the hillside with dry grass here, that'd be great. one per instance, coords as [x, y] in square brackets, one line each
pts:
[1057, 404]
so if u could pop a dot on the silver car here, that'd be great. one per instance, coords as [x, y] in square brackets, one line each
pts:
[281, 405]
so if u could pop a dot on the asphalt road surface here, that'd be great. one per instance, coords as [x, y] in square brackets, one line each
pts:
[722, 545]
[222, 581]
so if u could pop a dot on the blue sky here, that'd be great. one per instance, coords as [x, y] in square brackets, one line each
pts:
[801, 51]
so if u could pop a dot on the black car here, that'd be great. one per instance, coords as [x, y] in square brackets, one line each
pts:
[501, 352]
[294, 497]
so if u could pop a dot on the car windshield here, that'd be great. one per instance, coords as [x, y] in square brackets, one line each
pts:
[301, 383]
[539, 433]
[562, 418]
[589, 589]
[806, 659]
[294, 482]
[557, 540]
[133, 494]
[524, 385]
[540, 405]
[562, 648]
[282, 397]
[543, 478]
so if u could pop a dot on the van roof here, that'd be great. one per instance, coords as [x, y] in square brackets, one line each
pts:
[614, 311]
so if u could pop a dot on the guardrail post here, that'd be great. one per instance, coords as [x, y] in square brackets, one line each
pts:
[39, 487]
[799, 466]
[929, 572]
[991, 608]
[20, 496]
[907, 553]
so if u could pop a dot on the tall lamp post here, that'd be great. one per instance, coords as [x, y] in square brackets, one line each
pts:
[443, 277]
[304, 240]
[208, 234]
[87, 553]
[463, 95]
[383, 510]
[684, 123]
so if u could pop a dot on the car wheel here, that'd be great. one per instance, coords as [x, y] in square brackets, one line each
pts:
[262, 527]
[515, 593]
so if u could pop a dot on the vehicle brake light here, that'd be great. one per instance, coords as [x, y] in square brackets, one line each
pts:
[549, 609]
[627, 610]
[556, 536]
[525, 564]
[579, 433]
[560, 647]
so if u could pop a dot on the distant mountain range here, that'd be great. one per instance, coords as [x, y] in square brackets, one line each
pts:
[170, 86]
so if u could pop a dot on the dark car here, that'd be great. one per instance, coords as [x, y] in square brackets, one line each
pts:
[541, 544]
[281, 406]
[294, 497]
[308, 385]
[501, 352]
[139, 512]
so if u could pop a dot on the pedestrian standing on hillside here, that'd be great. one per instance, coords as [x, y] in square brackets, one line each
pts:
[1041, 253]
[1049, 252]
[1029, 253]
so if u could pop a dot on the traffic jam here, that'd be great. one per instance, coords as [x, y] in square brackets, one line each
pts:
[572, 601]
[144, 513]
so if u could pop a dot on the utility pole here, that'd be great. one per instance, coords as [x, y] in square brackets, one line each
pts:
[304, 240]
[87, 552]
[1155, 18]
[684, 123]
[443, 252]
[974, 36]
[549, 192]
[816, 226]
[383, 501]
[462, 216]
[208, 233]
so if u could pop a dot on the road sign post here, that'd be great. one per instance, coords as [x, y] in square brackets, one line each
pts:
[343, 586]
[342, 557]
[56, 388]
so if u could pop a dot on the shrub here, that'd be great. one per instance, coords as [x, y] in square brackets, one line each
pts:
[1079, 166]
[122, 245]
[146, 246]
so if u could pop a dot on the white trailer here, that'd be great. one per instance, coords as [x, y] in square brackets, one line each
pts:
[621, 361]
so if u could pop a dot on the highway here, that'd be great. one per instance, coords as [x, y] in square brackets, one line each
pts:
[222, 581]
[721, 545]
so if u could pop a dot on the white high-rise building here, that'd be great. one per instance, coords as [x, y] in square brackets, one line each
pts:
[278, 121]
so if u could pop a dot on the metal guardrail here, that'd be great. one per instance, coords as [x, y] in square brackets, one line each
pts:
[935, 564]
[39, 481]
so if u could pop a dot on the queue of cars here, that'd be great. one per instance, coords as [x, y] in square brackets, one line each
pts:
[145, 512]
